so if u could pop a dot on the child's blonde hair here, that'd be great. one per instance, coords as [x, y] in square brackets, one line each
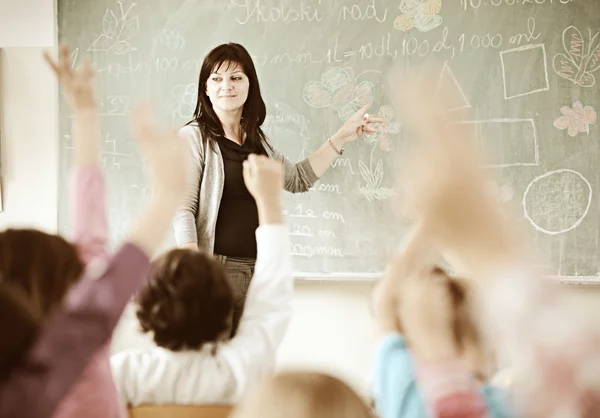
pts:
[302, 395]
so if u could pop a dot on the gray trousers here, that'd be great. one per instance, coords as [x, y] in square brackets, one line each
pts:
[239, 271]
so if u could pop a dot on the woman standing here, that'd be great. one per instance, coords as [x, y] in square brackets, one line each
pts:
[218, 214]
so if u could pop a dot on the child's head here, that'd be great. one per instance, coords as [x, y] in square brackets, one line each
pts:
[302, 395]
[468, 337]
[187, 302]
[19, 323]
[43, 265]
[36, 270]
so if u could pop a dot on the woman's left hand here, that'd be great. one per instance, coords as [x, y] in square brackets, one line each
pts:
[356, 125]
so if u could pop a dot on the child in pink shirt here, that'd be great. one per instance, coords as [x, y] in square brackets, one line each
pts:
[66, 371]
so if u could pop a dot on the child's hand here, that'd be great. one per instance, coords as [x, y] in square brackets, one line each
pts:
[264, 178]
[165, 153]
[78, 84]
[426, 312]
[446, 188]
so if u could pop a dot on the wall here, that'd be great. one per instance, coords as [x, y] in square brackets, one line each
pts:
[29, 140]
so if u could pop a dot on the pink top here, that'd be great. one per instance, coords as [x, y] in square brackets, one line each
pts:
[95, 394]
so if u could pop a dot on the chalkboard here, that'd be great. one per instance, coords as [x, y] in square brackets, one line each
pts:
[525, 68]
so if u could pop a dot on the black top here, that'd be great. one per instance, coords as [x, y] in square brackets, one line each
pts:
[238, 216]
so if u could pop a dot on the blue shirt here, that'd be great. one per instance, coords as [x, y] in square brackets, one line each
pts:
[396, 391]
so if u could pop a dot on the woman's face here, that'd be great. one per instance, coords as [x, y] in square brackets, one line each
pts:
[227, 87]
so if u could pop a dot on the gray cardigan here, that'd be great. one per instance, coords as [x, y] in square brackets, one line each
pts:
[196, 218]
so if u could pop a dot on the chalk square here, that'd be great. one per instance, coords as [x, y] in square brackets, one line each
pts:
[524, 70]
[507, 142]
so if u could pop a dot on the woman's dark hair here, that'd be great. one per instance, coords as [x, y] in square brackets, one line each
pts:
[45, 266]
[254, 112]
[188, 301]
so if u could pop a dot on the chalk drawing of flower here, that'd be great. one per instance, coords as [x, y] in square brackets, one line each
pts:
[116, 32]
[576, 119]
[389, 127]
[184, 100]
[338, 89]
[420, 14]
[172, 39]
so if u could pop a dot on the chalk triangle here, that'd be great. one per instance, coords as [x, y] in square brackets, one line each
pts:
[449, 88]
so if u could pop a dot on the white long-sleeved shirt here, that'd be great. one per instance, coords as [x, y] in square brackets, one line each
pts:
[159, 376]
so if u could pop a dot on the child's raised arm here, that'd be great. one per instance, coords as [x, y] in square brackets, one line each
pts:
[87, 189]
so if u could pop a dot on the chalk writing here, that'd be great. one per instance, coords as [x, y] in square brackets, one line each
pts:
[309, 251]
[324, 233]
[334, 216]
[476, 4]
[578, 64]
[254, 10]
[295, 58]
[328, 188]
[118, 104]
[344, 163]
[355, 12]
[302, 231]
[527, 37]
[300, 212]
[117, 32]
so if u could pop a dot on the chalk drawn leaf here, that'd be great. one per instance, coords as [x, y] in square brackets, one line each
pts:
[110, 23]
[432, 7]
[565, 67]
[335, 77]
[366, 174]
[574, 44]
[343, 95]
[409, 6]
[121, 47]
[102, 43]
[587, 80]
[425, 23]
[378, 175]
[130, 27]
[364, 93]
[316, 95]
[594, 63]
[404, 22]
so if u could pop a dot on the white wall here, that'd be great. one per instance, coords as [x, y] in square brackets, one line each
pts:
[29, 140]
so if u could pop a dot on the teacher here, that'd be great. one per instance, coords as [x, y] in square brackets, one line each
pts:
[218, 214]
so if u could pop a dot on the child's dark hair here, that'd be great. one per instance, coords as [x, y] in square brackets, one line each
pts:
[43, 265]
[19, 324]
[188, 301]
